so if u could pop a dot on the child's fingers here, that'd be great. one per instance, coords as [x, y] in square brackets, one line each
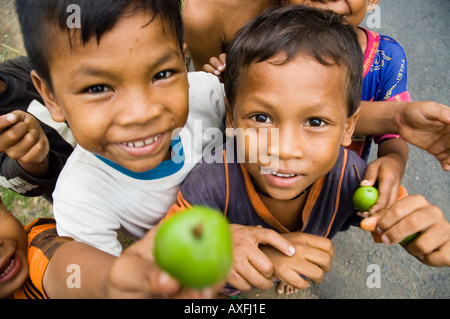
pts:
[217, 64]
[210, 69]
[444, 159]
[28, 148]
[147, 279]
[321, 243]
[406, 217]
[322, 259]
[238, 281]
[388, 189]
[223, 59]
[274, 239]
[388, 184]
[254, 267]
[245, 276]
[431, 239]
[12, 136]
[371, 174]
[36, 148]
[6, 121]
[439, 257]
[255, 276]
[370, 223]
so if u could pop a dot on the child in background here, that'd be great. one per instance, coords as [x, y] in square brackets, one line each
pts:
[15, 279]
[297, 71]
[33, 147]
[212, 25]
[121, 83]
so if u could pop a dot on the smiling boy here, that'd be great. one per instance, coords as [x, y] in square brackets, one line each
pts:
[121, 84]
[296, 72]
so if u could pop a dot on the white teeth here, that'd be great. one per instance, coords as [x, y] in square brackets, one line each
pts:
[143, 143]
[8, 269]
[268, 171]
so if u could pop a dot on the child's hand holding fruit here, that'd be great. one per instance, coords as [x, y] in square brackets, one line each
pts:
[135, 274]
[409, 216]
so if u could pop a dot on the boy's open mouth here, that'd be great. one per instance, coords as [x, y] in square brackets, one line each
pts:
[283, 179]
[265, 170]
[143, 143]
[144, 146]
[10, 268]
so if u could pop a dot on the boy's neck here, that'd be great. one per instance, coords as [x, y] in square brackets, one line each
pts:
[287, 212]
[362, 38]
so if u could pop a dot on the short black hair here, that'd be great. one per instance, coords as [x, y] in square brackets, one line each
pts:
[38, 18]
[293, 30]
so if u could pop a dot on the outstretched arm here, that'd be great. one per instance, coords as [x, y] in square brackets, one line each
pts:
[423, 124]
[132, 275]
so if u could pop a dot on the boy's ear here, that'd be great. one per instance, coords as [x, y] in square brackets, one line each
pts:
[349, 129]
[185, 50]
[48, 96]
[186, 56]
[372, 5]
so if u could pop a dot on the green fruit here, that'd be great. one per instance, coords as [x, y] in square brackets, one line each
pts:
[365, 197]
[195, 247]
[409, 239]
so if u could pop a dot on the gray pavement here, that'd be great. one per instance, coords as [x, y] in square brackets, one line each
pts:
[422, 28]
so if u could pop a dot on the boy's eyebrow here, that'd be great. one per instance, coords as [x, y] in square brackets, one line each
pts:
[93, 71]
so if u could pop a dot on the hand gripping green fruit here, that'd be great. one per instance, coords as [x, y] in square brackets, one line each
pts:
[409, 239]
[195, 247]
[365, 197]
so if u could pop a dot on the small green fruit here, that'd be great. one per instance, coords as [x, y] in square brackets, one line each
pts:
[409, 239]
[365, 197]
[195, 247]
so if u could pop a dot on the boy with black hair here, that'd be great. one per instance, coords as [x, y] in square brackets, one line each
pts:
[296, 71]
[121, 83]
[385, 78]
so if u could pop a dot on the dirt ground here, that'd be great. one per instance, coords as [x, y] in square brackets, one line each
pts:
[11, 44]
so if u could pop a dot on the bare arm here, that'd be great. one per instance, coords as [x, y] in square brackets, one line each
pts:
[132, 275]
[423, 124]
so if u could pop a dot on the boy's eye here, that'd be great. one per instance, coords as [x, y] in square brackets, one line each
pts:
[97, 89]
[261, 118]
[315, 122]
[163, 75]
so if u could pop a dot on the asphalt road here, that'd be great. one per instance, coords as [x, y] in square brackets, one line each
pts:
[422, 28]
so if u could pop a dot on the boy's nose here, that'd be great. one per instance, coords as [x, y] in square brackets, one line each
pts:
[289, 145]
[139, 110]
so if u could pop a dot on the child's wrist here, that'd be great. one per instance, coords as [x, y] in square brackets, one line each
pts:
[36, 169]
